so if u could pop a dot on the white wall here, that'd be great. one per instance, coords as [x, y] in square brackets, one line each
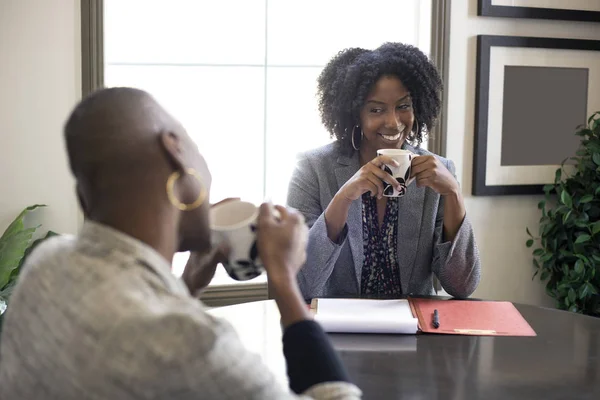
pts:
[40, 75]
[499, 222]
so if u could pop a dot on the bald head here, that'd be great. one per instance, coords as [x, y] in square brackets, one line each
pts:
[115, 129]
[123, 146]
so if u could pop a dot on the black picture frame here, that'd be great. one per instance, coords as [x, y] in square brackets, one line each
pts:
[484, 45]
[486, 9]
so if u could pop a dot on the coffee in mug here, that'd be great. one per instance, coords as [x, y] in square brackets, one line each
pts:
[401, 173]
[234, 224]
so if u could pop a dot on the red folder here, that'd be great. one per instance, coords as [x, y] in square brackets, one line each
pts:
[470, 317]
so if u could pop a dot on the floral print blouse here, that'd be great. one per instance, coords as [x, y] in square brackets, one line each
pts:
[380, 272]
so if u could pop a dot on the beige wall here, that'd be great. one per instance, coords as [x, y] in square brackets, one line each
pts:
[499, 222]
[40, 77]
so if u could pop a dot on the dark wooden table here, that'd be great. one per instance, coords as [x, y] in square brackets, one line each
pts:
[562, 362]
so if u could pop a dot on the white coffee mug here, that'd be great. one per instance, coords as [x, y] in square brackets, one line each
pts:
[234, 224]
[401, 172]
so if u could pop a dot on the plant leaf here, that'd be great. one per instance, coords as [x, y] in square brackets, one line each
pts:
[566, 199]
[17, 224]
[587, 198]
[545, 275]
[12, 249]
[597, 192]
[573, 308]
[566, 216]
[529, 233]
[596, 227]
[572, 295]
[582, 238]
[596, 158]
[538, 252]
[579, 267]
[529, 243]
[586, 290]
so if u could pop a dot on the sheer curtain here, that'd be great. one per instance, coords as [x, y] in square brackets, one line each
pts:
[241, 75]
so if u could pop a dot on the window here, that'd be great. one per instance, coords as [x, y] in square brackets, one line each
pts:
[241, 74]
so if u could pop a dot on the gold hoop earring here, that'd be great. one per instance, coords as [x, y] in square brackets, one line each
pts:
[171, 191]
[352, 137]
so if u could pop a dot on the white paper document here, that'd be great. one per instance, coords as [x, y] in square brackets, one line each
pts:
[365, 316]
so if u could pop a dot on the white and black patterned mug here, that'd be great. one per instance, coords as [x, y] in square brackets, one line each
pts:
[401, 172]
[234, 223]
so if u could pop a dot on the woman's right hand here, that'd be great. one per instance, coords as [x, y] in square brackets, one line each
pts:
[282, 236]
[369, 178]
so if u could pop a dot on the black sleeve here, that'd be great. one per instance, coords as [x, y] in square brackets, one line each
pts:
[311, 359]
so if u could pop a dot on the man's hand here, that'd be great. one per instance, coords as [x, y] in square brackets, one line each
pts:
[201, 267]
[282, 242]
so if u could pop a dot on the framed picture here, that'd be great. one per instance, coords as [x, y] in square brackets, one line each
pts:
[531, 95]
[572, 10]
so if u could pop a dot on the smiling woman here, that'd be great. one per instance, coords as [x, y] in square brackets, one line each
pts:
[362, 240]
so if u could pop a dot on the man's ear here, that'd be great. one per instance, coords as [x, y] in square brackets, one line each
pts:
[171, 144]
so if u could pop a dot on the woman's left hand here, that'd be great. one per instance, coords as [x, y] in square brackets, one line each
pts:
[429, 171]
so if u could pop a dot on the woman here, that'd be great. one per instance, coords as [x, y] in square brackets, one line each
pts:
[107, 317]
[360, 242]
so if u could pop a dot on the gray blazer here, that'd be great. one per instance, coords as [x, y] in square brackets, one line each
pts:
[334, 269]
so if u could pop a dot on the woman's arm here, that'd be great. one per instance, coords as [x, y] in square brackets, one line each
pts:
[322, 252]
[455, 255]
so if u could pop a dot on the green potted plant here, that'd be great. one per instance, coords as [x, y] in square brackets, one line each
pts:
[568, 255]
[15, 244]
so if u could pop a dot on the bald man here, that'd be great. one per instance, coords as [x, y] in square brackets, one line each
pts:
[100, 315]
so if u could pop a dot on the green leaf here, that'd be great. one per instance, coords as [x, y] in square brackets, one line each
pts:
[573, 308]
[529, 243]
[17, 224]
[582, 238]
[546, 257]
[579, 268]
[586, 199]
[538, 252]
[529, 233]
[597, 192]
[595, 257]
[585, 131]
[13, 244]
[566, 216]
[12, 249]
[566, 199]
[587, 289]
[572, 295]
[548, 188]
[545, 275]
[536, 264]
[596, 227]
[557, 175]
[541, 204]
[596, 158]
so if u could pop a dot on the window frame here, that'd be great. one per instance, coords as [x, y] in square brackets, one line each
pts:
[92, 74]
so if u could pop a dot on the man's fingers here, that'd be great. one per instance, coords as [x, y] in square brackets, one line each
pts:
[266, 213]
[283, 212]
